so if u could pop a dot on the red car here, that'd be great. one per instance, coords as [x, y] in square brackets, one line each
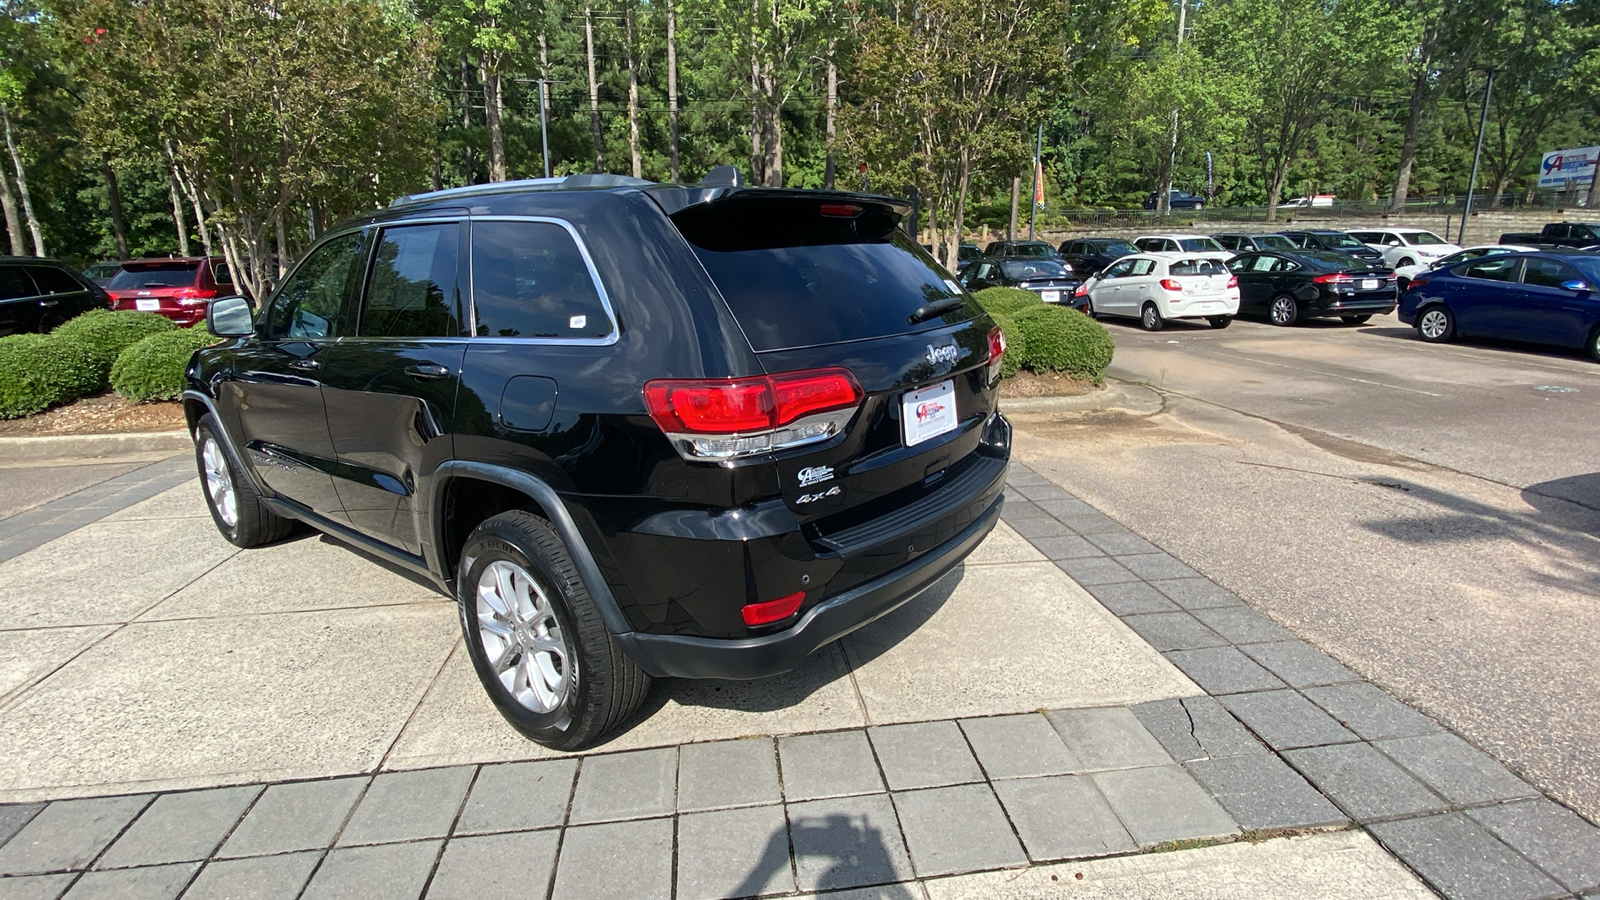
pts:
[176, 288]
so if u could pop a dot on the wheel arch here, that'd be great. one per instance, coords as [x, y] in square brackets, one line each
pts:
[464, 494]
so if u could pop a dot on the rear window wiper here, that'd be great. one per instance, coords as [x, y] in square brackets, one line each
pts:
[929, 310]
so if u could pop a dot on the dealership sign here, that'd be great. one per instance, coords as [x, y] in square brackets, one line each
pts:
[1560, 167]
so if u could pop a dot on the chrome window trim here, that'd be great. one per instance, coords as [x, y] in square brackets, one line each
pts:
[611, 337]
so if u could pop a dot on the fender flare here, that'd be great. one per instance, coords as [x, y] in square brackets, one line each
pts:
[560, 518]
[222, 432]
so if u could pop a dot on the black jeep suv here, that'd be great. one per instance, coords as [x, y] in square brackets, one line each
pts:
[638, 430]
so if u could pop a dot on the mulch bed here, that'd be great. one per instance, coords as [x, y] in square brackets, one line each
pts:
[103, 413]
[1027, 384]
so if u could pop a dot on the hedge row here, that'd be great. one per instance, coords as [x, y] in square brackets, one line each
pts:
[1043, 337]
[142, 354]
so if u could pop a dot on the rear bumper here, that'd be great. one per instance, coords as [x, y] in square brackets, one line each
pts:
[1354, 306]
[683, 656]
[184, 316]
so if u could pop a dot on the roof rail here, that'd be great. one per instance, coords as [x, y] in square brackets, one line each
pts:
[723, 176]
[585, 180]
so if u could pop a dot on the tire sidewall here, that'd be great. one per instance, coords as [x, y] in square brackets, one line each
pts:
[484, 548]
[204, 431]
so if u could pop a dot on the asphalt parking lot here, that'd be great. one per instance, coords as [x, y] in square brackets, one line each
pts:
[1427, 514]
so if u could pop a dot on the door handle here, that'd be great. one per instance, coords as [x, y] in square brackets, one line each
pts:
[428, 370]
[304, 365]
[48, 302]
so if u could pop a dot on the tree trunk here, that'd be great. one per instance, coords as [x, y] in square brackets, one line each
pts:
[22, 185]
[8, 200]
[489, 71]
[191, 191]
[119, 226]
[544, 93]
[1016, 194]
[180, 221]
[468, 156]
[958, 221]
[833, 107]
[635, 153]
[758, 172]
[1408, 148]
[672, 87]
[771, 126]
[1275, 192]
[594, 91]
[283, 246]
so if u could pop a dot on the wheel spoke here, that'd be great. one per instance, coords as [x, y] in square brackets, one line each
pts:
[521, 636]
[505, 655]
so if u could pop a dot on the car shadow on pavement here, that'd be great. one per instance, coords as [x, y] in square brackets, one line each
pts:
[833, 851]
[1564, 529]
[1483, 343]
[1557, 497]
[304, 532]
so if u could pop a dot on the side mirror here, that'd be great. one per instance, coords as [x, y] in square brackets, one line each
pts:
[1574, 285]
[230, 317]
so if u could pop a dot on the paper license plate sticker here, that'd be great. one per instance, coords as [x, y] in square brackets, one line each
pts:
[929, 412]
[1369, 284]
[147, 305]
[1051, 296]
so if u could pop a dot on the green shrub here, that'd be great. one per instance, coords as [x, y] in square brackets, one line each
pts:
[1016, 344]
[153, 368]
[40, 370]
[1006, 300]
[1060, 339]
[107, 333]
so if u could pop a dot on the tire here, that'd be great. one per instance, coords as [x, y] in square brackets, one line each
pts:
[1150, 318]
[1436, 324]
[1219, 322]
[1284, 311]
[1199, 206]
[1356, 320]
[236, 507]
[1593, 345]
[558, 676]
[1088, 309]
[1405, 261]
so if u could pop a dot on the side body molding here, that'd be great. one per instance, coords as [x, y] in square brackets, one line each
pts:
[560, 518]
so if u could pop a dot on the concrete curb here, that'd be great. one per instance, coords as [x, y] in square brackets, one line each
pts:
[1121, 396]
[92, 446]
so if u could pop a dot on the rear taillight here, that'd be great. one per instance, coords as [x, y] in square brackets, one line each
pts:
[1233, 281]
[997, 350]
[1335, 278]
[193, 296]
[1082, 291]
[769, 611]
[732, 418]
[1172, 284]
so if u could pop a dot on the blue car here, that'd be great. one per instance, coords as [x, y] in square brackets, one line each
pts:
[1541, 298]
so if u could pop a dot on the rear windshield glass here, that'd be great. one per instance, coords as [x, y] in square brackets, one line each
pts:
[1196, 267]
[1336, 239]
[1199, 244]
[1118, 248]
[794, 277]
[155, 275]
[1424, 238]
[1016, 270]
[1031, 251]
[1273, 242]
[1328, 257]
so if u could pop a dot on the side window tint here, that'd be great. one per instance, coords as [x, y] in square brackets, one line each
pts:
[15, 283]
[1264, 264]
[1285, 265]
[221, 274]
[1494, 268]
[308, 305]
[530, 280]
[1548, 273]
[1238, 264]
[412, 289]
[52, 280]
[1120, 269]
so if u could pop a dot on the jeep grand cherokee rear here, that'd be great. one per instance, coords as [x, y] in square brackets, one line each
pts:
[638, 430]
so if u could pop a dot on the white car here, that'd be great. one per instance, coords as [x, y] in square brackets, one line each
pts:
[1404, 274]
[1406, 246]
[1155, 287]
[1192, 244]
[1319, 201]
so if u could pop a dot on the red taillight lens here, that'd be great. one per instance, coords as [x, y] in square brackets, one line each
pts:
[734, 417]
[1335, 278]
[1082, 291]
[1172, 284]
[1233, 281]
[193, 296]
[769, 611]
[841, 210]
[997, 351]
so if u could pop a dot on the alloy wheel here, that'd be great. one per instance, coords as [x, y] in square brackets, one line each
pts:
[1433, 324]
[1282, 311]
[522, 638]
[219, 483]
[1152, 318]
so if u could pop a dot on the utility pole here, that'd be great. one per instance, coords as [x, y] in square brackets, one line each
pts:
[1472, 181]
[544, 120]
[1038, 163]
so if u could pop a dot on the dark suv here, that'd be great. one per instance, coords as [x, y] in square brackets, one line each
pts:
[39, 294]
[638, 430]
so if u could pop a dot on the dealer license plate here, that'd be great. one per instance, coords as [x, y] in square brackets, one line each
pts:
[1050, 296]
[929, 412]
[1369, 284]
[147, 305]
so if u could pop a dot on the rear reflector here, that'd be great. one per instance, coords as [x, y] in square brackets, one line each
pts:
[769, 611]
[735, 417]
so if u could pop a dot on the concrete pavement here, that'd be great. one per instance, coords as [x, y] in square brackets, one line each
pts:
[301, 721]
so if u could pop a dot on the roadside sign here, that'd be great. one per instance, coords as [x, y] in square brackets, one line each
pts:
[1560, 168]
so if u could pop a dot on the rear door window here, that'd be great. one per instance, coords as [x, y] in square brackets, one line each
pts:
[52, 280]
[412, 289]
[1549, 273]
[530, 280]
[15, 283]
[1494, 269]
[800, 272]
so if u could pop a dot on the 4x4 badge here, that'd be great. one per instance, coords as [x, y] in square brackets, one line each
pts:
[813, 474]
